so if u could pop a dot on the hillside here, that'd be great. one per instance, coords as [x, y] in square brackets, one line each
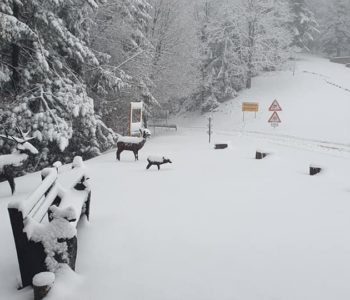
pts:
[313, 107]
[218, 224]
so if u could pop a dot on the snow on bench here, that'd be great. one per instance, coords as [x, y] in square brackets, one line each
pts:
[44, 224]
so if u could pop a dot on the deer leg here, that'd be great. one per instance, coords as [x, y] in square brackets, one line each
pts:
[158, 167]
[11, 182]
[118, 154]
[136, 155]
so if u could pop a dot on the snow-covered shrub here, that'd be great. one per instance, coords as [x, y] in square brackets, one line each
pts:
[210, 104]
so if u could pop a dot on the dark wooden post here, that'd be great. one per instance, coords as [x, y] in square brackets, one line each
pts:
[42, 284]
[315, 170]
[260, 155]
[31, 256]
[221, 146]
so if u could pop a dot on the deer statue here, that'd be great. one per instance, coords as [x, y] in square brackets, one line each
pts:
[133, 144]
[9, 162]
[157, 161]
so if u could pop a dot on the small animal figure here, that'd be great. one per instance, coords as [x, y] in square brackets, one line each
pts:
[157, 161]
[133, 144]
[9, 162]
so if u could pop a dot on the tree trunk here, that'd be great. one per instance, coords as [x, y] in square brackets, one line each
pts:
[15, 53]
[251, 43]
[338, 52]
[249, 81]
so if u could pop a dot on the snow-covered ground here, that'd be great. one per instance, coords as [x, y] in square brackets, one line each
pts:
[218, 224]
[313, 108]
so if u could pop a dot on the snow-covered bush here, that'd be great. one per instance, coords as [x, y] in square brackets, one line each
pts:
[210, 104]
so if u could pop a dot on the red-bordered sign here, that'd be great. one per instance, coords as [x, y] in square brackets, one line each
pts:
[275, 106]
[275, 118]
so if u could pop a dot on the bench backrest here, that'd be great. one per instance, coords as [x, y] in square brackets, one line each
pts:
[31, 255]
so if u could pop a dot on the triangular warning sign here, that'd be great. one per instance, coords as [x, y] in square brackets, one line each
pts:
[275, 118]
[275, 106]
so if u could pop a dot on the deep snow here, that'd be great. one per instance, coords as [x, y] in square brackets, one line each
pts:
[312, 108]
[216, 224]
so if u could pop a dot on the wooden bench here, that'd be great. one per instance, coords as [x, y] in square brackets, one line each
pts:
[167, 126]
[341, 60]
[44, 224]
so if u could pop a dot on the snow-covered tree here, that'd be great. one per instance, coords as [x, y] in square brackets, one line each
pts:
[303, 25]
[240, 39]
[173, 35]
[44, 51]
[121, 29]
[262, 28]
[336, 28]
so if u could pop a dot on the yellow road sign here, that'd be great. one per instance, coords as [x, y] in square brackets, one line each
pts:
[250, 106]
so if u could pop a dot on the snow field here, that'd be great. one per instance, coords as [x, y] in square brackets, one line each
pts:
[218, 224]
[312, 108]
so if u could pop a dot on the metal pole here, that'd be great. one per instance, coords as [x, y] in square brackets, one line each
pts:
[209, 132]
[130, 119]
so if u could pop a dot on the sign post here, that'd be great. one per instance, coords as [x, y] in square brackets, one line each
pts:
[250, 107]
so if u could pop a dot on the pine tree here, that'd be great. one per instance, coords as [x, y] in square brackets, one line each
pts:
[304, 26]
[44, 54]
[238, 41]
[336, 28]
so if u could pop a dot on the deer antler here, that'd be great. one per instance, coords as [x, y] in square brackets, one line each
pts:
[17, 140]
[10, 137]
[23, 135]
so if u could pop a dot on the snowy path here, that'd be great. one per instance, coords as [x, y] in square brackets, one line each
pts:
[295, 142]
[338, 149]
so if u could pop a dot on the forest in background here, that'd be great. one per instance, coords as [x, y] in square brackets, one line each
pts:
[69, 69]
